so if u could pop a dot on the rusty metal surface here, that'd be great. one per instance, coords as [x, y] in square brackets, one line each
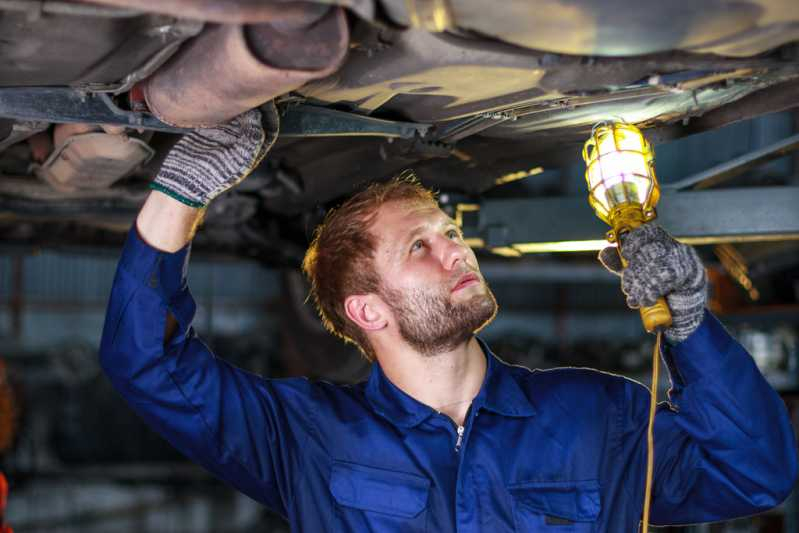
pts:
[62, 132]
[92, 53]
[289, 45]
[92, 160]
[218, 74]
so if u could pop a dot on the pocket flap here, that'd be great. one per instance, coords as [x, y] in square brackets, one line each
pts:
[375, 489]
[573, 500]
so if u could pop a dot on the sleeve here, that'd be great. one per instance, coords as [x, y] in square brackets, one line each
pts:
[724, 444]
[229, 421]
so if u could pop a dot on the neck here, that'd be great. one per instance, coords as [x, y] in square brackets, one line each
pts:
[447, 381]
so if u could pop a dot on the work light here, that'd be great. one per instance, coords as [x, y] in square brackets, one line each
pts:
[623, 191]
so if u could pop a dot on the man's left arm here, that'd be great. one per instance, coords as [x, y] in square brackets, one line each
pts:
[724, 445]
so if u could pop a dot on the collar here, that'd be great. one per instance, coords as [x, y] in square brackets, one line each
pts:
[500, 393]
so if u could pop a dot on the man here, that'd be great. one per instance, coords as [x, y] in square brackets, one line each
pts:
[443, 436]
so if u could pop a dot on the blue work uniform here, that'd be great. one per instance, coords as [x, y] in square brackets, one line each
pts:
[555, 450]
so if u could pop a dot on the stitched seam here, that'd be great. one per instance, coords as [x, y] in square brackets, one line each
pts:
[305, 451]
[121, 314]
[618, 437]
[299, 473]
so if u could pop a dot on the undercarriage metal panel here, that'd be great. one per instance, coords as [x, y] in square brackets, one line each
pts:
[79, 50]
[427, 77]
[644, 107]
[620, 27]
[776, 98]
[442, 76]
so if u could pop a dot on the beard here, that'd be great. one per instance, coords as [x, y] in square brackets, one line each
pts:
[432, 324]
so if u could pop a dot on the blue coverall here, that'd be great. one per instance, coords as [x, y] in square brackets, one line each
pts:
[556, 450]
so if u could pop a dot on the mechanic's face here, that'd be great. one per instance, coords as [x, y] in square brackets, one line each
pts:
[429, 277]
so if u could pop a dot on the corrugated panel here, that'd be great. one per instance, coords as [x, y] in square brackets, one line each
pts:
[55, 278]
[233, 282]
[51, 277]
[64, 297]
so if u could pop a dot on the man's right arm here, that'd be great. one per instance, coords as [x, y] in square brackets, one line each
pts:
[230, 421]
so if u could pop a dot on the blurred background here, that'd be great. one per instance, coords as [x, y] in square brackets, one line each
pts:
[78, 460]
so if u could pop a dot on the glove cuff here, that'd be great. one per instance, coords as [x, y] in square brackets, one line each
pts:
[687, 310]
[172, 194]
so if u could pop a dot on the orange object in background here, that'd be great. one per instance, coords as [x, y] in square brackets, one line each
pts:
[8, 411]
[3, 499]
[8, 423]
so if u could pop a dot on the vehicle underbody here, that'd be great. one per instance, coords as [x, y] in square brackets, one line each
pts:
[94, 94]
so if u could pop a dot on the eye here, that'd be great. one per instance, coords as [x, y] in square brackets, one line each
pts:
[453, 234]
[417, 245]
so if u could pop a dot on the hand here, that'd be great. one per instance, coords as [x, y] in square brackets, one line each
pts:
[657, 265]
[209, 161]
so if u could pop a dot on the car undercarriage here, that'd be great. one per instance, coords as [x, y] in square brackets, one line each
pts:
[93, 94]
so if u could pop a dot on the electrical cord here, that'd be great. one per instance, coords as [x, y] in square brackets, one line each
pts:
[650, 435]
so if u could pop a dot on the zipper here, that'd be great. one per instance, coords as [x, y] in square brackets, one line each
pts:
[460, 439]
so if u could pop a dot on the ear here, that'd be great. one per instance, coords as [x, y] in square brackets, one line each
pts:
[366, 311]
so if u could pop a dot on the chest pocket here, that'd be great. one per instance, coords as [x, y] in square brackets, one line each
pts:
[556, 506]
[375, 499]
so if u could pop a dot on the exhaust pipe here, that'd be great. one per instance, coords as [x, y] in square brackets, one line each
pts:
[229, 69]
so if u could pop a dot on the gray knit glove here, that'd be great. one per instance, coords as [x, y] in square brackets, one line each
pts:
[657, 265]
[209, 161]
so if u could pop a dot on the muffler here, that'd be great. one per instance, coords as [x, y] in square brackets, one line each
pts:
[229, 69]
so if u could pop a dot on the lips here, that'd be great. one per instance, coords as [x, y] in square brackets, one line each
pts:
[465, 280]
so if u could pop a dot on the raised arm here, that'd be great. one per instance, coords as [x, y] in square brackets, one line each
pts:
[724, 445]
[234, 423]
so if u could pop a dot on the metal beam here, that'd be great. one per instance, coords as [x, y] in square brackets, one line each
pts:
[697, 217]
[772, 99]
[65, 105]
[314, 121]
[734, 167]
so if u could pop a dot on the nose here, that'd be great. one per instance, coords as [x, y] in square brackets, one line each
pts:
[454, 253]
